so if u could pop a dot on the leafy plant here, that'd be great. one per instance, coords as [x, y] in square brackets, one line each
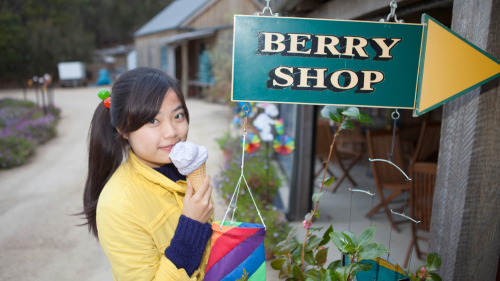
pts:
[244, 276]
[227, 142]
[14, 151]
[307, 260]
[426, 272]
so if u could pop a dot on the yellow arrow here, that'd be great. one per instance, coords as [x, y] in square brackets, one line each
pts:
[450, 66]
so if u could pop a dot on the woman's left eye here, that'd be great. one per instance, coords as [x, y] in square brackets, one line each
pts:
[179, 116]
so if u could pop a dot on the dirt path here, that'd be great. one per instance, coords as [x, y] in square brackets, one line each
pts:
[39, 239]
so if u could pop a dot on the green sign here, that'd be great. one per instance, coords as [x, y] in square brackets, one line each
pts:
[325, 61]
[368, 64]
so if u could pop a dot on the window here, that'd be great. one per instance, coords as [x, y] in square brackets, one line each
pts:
[163, 58]
[205, 68]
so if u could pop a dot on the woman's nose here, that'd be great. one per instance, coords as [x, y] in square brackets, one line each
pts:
[169, 130]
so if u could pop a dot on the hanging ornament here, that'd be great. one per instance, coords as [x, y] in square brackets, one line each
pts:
[253, 143]
[236, 122]
[279, 126]
[284, 144]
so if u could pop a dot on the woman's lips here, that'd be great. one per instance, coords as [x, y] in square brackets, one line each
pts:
[167, 148]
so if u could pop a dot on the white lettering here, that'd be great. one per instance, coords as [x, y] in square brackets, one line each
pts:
[268, 42]
[385, 49]
[279, 73]
[336, 83]
[294, 43]
[320, 77]
[367, 80]
[331, 46]
[349, 46]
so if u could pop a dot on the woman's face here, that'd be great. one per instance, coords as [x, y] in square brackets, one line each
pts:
[153, 142]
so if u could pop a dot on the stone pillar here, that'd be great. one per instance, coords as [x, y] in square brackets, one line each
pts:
[465, 228]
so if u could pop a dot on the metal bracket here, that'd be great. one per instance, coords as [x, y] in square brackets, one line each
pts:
[392, 14]
[268, 8]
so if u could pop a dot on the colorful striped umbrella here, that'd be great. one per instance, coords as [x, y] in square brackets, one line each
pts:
[234, 248]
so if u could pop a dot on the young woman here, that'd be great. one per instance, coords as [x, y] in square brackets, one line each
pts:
[149, 223]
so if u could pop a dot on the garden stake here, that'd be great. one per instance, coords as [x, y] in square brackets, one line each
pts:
[35, 83]
[24, 90]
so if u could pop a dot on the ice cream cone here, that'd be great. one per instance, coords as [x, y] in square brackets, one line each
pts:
[197, 177]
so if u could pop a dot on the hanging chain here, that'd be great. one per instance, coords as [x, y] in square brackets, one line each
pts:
[244, 134]
[393, 133]
[242, 177]
[392, 14]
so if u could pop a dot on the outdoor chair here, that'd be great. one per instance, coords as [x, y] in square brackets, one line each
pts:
[324, 138]
[351, 141]
[428, 143]
[423, 175]
[409, 131]
[387, 177]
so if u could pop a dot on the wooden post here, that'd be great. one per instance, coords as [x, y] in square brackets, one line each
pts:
[465, 227]
[185, 68]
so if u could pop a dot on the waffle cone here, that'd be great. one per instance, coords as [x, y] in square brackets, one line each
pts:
[197, 177]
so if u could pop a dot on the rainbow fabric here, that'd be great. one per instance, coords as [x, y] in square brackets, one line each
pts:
[234, 248]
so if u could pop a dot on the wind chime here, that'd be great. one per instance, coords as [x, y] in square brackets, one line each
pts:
[384, 267]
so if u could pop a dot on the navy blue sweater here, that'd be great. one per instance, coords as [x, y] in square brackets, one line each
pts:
[190, 238]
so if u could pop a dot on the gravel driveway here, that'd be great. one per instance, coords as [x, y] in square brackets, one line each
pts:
[39, 239]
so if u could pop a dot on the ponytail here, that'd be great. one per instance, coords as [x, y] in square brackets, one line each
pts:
[105, 155]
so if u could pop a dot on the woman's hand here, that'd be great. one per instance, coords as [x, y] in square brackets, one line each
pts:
[199, 206]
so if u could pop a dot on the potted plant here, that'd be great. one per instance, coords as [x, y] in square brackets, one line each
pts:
[228, 145]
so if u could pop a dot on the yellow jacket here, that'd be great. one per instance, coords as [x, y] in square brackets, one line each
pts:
[137, 214]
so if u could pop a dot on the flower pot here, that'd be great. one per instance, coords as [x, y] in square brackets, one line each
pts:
[227, 154]
[269, 255]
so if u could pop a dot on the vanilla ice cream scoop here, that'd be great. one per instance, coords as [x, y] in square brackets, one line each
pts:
[190, 159]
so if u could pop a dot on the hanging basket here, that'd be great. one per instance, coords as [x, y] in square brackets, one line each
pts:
[234, 248]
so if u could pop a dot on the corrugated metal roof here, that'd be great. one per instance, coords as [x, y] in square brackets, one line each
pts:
[171, 17]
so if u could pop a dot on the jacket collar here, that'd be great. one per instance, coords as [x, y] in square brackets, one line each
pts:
[155, 177]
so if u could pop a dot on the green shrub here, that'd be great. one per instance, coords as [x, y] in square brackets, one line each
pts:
[14, 151]
[22, 126]
[15, 103]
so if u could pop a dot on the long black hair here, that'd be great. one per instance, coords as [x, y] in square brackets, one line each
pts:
[136, 98]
